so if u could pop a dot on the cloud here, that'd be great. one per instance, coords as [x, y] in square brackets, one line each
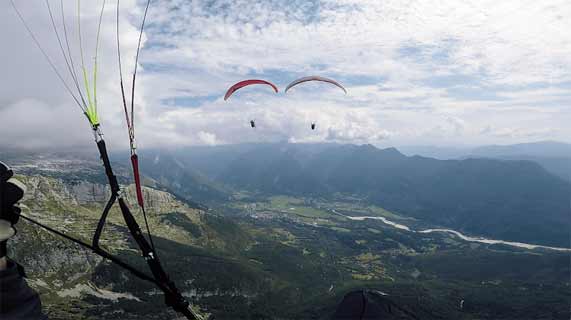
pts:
[27, 123]
[416, 72]
[41, 111]
[354, 134]
[208, 138]
[517, 132]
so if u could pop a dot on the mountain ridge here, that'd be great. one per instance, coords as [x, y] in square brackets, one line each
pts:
[475, 195]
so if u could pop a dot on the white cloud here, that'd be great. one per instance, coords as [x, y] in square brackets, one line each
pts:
[208, 138]
[516, 132]
[417, 71]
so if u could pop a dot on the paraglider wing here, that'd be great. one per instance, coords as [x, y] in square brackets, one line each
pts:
[315, 78]
[246, 83]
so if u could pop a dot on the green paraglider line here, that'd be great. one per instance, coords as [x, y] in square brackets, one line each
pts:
[91, 111]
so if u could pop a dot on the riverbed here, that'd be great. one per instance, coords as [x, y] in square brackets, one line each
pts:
[455, 233]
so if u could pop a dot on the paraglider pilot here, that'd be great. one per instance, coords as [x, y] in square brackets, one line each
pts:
[313, 126]
[252, 123]
[17, 299]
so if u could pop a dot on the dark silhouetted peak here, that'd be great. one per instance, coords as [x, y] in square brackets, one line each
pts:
[370, 304]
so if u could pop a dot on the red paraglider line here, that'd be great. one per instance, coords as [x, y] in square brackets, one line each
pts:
[246, 83]
[130, 118]
[135, 164]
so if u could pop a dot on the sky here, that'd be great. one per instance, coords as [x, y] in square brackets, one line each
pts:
[445, 73]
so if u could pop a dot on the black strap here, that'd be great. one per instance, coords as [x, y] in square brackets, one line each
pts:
[173, 297]
[113, 183]
[102, 220]
[107, 164]
[95, 250]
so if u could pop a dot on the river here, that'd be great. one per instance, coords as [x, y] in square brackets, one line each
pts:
[457, 234]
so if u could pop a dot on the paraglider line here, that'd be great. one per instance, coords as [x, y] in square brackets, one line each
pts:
[74, 72]
[85, 81]
[121, 82]
[63, 53]
[46, 56]
[136, 64]
[96, 55]
[131, 118]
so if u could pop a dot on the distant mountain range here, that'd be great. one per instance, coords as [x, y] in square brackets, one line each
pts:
[554, 156]
[547, 149]
[507, 199]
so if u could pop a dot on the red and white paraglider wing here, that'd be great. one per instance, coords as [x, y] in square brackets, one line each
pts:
[246, 83]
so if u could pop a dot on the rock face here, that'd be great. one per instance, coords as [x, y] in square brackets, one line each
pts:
[54, 264]
[156, 200]
[88, 192]
[41, 189]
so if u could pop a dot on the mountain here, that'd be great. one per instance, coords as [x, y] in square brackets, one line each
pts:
[560, 167]
[516, 200]
[554, 156]
[544, 149]
[436, 152]
[547, 149]
[509, 200]
[208, 173]
[180, 178]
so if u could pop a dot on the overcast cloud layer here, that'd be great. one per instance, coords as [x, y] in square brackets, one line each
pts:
[417, 72]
